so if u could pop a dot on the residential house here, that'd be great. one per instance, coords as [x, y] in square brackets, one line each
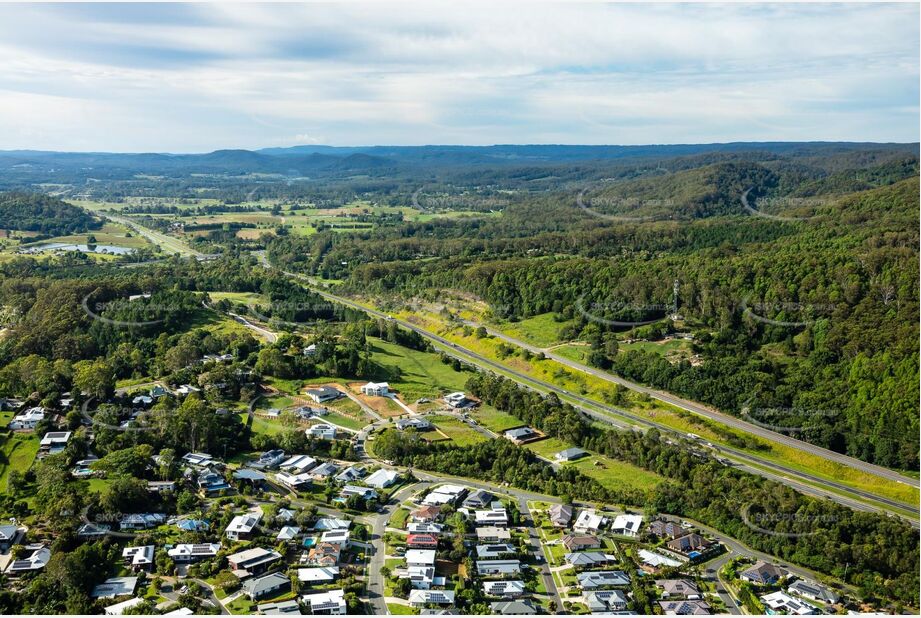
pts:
[93, 531]
[322, 431]
[298, 464]
[507, 589]
[486, 568]
[496, 516]
[36, 559]
[560, 515]
[254, 561]
[141, 521]
[310, 350]
[419, 424]
[763, 573]
[211, 483]
[579, 542]
[266, 585]
[365, 493]
[338, 537]
[28, 419]
[685, 608]
[187, 389]
[252, 477]
[593, 580]
[323, 555]
[605, 601]
[782, 603]
[350, 474]
[445, 494]
[139, 558]
[242, 527]
[495, 550]
[425, 514]
[115, 587]
[427, 528]
[570, 454]
[588, 522]
[270, 459]
[297, 482]
[589, 559]
[322, 394]
[678, 589]
[813, 591]
[376, 389]
[492, 534]
[420, 557]
[119, 609]
[419, 577]
[478, 499]
[287, 533]
[324, 471]
[654, 560]
[422, 541]
[421, 598]
[192, 552]
[689, 544]
[627, 525]
[666, 529]
[330, 602]
[513, 608]
[457, 400]
[332, 523]
[8, 535]
[382, 478]
[197, 459]
[318, 575]
[521, 435]
[280, 608]
[54, 442]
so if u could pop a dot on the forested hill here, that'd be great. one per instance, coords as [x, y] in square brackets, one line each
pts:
[36, 212]
[834, 353]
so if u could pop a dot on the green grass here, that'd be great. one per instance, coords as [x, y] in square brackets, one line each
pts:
[657, 348]
[399, 517]
[457, 430]
[345, 421]
[415, 374]
[17, 452]
[540, 330]
[495, 420]
[401, 610]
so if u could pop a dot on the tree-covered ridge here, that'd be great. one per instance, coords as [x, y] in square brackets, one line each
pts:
[37, 212]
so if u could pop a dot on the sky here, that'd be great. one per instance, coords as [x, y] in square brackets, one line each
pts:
[200, 77]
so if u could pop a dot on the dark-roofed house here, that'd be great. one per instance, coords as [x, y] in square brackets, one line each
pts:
[666, 529]
[8, 536]
[684, 608]
[763, 573]
[115, 587]
[478, 499]
[689, 543]
[560, 515]
[678, 589]
[593, 580]
[254, 560]
[578, 542]
[512, 608]
[267, 585]
[495, 550]
[279, 608]
[323, 393]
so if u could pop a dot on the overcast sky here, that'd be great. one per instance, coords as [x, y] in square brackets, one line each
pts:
[194, 78]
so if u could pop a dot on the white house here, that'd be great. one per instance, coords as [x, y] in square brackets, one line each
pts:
[783, 603]
[421, 598]
[188, 552]
[496, 516]
[376, 389]
[508, 589]
[322, 431]
[627, 525]
[298, 463]
[28, 419]
[54, 442]
[382, 478]
[241, 527]
[318, 575]
[140, 557]
[588, 521]
[420, 557]
[331, 602]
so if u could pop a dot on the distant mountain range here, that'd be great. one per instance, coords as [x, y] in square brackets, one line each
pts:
[334, 160]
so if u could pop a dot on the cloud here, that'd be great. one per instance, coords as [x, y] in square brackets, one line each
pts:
[190, 77]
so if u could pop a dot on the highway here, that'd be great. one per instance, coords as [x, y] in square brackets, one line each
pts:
[712, 414]
[801, 481]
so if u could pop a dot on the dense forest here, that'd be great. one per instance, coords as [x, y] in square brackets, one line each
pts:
[818, 312]
[49, 216]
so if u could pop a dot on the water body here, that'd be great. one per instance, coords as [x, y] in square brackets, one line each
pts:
[62, 246]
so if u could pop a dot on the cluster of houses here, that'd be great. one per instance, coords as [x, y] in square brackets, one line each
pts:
[800, 598]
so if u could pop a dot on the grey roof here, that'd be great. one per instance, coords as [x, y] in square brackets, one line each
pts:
[115, 587]
[603, 600]
[561, 513]
[571, 453]
[509, 608]
[598, 579]
[521, 432]
[258, 585]
[249, 475]
[282, 607]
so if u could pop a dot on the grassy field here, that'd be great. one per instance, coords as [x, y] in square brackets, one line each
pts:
[457, 430]
[398, 609]
[494, 419]
[540, 330]
[17, 452]
[110, 234]
[595, 387]
[415, 374]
